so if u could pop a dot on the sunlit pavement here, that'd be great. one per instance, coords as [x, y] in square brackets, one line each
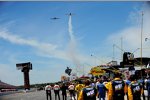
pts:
[37, 95]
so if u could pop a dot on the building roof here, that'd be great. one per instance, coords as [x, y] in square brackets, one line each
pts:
[6, 86]
[145, 60]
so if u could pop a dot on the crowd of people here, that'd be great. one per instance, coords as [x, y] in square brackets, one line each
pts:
[114, 89]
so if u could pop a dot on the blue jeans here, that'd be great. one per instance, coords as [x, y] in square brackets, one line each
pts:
[101, 98]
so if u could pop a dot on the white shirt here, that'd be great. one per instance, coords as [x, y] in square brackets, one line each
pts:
[71, 87]
[48, 87]
[56, 87]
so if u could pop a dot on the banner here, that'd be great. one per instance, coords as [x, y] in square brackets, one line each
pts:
[97, 71]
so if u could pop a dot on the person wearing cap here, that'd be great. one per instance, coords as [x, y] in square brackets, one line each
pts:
[88, 92]
[48, 89]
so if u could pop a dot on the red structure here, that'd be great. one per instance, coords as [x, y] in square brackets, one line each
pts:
[25, 68]
[4, 87]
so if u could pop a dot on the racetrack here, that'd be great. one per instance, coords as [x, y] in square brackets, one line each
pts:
[34, 95]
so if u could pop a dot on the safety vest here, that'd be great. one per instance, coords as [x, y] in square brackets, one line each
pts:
[118, 88]
[89, 93]
[136, 90]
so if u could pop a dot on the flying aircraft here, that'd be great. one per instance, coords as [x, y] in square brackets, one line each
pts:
[70, 14]
[54, 18]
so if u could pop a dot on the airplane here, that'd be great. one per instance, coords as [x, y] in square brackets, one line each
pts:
[54, 18]
[70, 14]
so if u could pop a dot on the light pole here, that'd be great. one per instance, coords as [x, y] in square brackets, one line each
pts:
[141, 36]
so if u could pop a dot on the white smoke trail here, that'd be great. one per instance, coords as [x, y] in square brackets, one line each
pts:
[72, 45]
[72, 38]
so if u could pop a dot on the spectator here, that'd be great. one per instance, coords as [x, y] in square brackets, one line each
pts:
[88, 92]
[148, 88]
[56, 91]
[101, 90]
[64, 89]
[71, 89]
[79, 87]
[135, 89]
[116, 88]
[48, 89]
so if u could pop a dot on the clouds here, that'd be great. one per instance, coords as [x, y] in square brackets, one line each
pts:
[43, 47]
[10, 74]
[72, 46]
[18, 40]
[47, 50]
[132, 34]
[53, 45]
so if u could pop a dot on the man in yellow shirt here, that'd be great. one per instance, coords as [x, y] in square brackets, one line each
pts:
[79, 87]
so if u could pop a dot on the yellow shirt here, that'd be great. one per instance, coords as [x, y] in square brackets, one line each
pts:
[79, 87]
[80, 95]
[110, 89]
[130, 95]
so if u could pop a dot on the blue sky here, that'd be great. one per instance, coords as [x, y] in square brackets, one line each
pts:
[27, 33]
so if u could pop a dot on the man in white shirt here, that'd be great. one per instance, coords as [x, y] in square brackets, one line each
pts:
[48, 89]
[71, 89]
[56, 91]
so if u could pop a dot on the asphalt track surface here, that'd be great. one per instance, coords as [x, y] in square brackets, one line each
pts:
[34, 95]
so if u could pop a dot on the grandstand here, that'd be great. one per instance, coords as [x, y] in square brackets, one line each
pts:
[4, 87]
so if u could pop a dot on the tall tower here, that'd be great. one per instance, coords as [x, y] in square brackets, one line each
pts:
[25, 68]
